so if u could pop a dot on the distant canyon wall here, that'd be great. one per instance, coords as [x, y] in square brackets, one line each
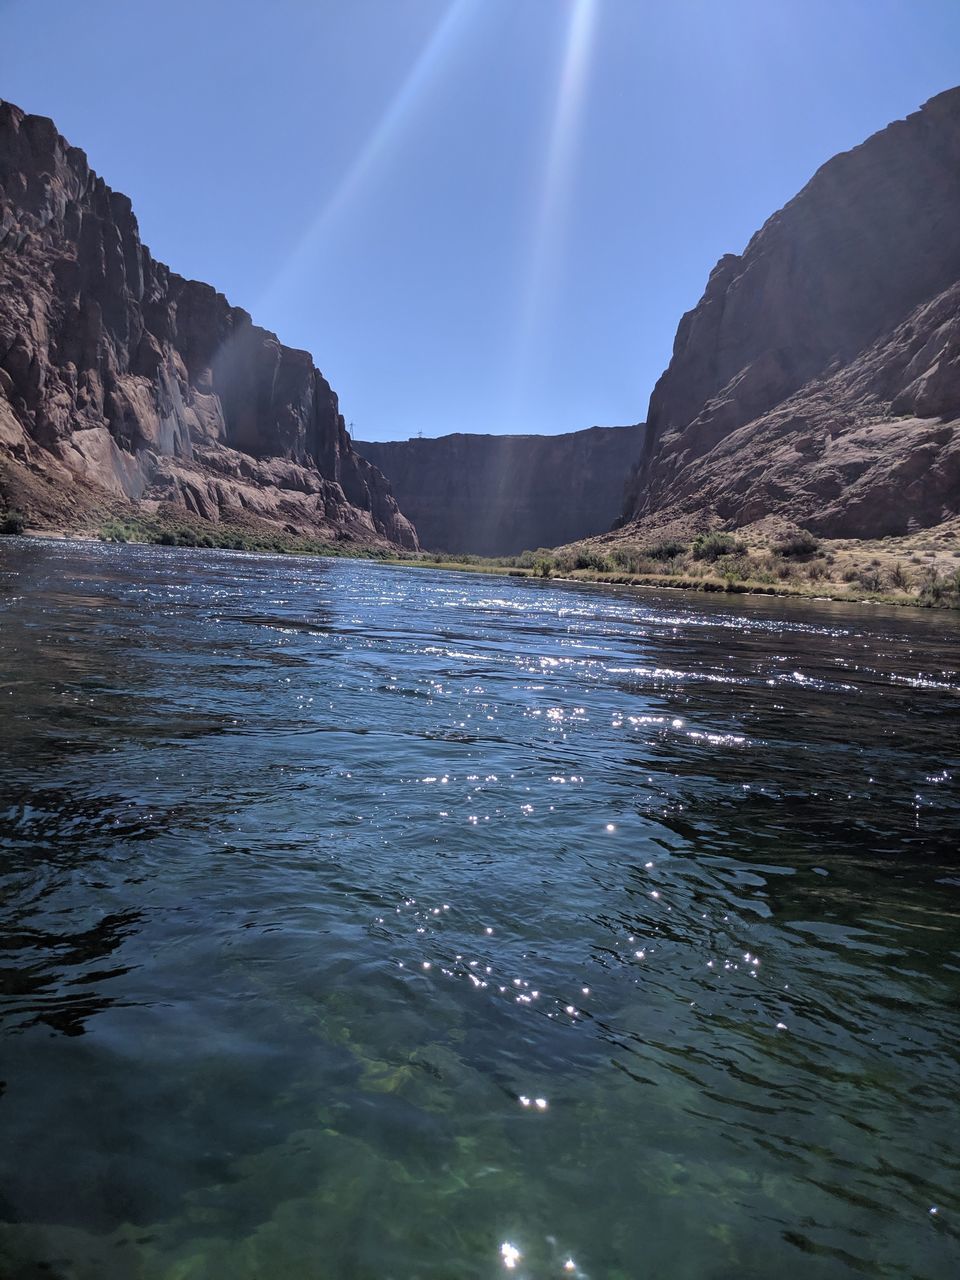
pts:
[819, 375]
[499, 495]
[123, 385]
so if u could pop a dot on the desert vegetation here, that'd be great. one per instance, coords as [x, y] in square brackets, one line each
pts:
[919, 570]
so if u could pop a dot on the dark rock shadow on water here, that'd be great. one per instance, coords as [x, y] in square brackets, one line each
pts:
[39, 970]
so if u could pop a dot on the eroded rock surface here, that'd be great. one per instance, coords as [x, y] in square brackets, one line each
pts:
[123, 383]
[819, 375]
[499, 495]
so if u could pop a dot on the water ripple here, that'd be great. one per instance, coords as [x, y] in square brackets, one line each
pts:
[374, 921]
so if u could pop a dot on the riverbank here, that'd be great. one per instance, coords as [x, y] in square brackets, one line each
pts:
[772, 558]
[919, 570]
[941, 596]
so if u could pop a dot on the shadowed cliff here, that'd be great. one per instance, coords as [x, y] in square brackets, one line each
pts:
[499, 495]
[123, 383]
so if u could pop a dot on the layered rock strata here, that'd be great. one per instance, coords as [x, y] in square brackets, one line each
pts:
[124, 385]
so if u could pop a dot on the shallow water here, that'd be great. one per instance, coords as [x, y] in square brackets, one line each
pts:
[375, 922]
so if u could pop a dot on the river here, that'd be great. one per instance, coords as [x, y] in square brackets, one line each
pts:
[364, 921]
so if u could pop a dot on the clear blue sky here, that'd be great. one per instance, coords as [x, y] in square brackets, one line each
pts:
[478, 215]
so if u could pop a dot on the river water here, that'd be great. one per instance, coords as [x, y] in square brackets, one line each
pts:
[362, 921]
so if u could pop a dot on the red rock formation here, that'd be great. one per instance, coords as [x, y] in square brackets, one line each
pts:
[499, 495]
[122, 381]
[819, 375]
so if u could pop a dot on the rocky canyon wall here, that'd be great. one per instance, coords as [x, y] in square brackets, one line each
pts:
[499, 495]
[124, 385]
[819, 375]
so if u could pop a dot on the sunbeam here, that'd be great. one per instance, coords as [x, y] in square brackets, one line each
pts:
[553, 207]
[381, 138]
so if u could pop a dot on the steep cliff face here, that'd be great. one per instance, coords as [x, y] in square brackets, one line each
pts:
[499, 495]
[122, 382]
[806, 379]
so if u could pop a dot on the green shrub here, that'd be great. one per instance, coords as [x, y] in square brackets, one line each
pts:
[932, 587]
[12, 522]
[711, 546]
[665, 549]
[585, 558]
[801, 543]
[870, 579]
[116, 531]
[735, 569]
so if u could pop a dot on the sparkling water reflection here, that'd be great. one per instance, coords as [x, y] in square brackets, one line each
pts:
[368, 922]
